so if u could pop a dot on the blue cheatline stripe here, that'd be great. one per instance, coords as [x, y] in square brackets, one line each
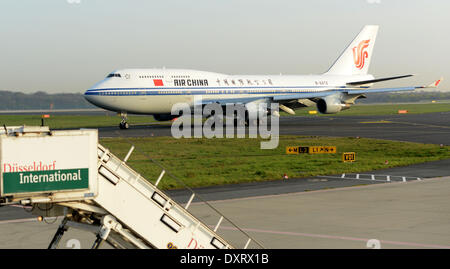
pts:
[205, 90]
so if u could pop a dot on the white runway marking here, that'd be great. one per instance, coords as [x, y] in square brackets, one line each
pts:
[18, 220]
[338, 237]
[317, 191]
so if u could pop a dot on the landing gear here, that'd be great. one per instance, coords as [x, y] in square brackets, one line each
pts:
[124, 124]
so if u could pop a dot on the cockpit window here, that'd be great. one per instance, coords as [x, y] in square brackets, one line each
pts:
[114, 75]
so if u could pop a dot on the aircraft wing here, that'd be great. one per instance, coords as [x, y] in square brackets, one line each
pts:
[274, 98]
[382, 90]
[410, 88]
[310, 95]
[363, 82]
[287, 97]
[225, 101]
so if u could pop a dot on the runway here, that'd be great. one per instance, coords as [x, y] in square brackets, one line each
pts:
[433, 128]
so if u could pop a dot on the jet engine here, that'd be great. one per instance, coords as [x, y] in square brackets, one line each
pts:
[164, 117]
[331, 104]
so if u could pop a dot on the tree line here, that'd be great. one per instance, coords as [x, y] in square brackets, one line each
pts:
[42, 100]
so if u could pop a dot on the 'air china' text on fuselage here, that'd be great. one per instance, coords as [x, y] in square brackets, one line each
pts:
[190, 82]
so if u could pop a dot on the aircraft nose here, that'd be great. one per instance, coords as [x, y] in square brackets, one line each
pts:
[88, 95]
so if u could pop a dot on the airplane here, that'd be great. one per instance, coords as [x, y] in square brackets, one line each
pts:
[155, 91]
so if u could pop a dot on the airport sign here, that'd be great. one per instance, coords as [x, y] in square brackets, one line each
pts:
[348, 157]
[33, 164]
[311, 150]
[322, 149]
[49, 180]
[292, 150]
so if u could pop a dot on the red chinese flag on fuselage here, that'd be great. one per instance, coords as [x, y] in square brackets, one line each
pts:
[158, 82]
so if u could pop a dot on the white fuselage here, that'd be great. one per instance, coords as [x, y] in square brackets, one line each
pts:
[155, 91]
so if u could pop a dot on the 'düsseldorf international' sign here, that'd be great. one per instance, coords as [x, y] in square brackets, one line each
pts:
[46, 164]
[46, 180]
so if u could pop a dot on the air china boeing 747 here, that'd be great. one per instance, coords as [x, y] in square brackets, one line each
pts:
[155, 91]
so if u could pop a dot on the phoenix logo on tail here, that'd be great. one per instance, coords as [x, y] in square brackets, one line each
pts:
[360, 53]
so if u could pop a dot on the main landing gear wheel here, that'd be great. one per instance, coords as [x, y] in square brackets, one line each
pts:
[124, 125]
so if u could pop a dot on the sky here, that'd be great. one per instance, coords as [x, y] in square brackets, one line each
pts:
[66, 46]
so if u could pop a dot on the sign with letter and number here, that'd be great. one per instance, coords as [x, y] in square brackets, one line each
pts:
[348, 156]
[311, 150]
[292, 150]
[321, 149]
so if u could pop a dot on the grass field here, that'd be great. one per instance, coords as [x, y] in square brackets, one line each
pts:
[88, 121]
[206, 162]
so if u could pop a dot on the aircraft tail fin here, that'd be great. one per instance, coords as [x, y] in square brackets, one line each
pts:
[355, 59]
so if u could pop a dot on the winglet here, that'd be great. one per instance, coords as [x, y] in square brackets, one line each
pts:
[435, 84]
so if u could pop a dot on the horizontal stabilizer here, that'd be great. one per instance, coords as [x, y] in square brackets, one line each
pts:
[362, 82]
